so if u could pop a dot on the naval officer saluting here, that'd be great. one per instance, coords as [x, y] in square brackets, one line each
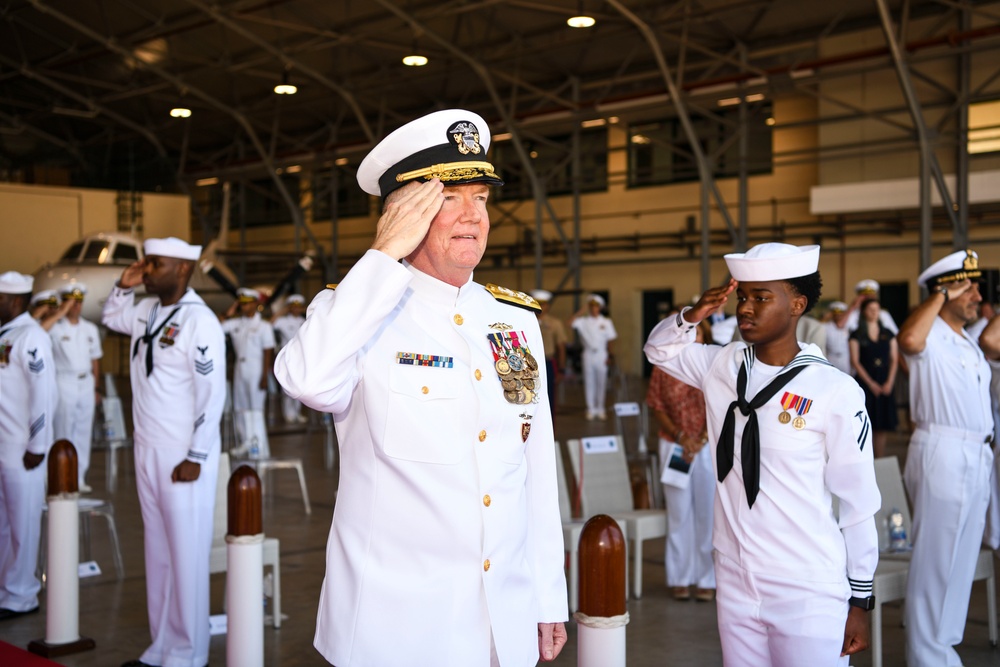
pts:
[794, 582]
[178, 372]
[446, 548]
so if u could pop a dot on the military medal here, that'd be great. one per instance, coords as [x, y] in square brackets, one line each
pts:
[508, 385]
[530, 361]
[798, 404]
[515, 365]
[503, 368]
[516, 362]
[525, 430]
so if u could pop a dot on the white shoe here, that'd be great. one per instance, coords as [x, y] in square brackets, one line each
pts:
[302, 419]
[590, 416]
[602, 416]
[85, 488]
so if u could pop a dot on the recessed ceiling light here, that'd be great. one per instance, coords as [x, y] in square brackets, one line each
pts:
[180, 112]
[580, 21]
[414, 60]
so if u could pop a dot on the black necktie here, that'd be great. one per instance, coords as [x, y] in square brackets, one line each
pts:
[750, 445]
[148, 337]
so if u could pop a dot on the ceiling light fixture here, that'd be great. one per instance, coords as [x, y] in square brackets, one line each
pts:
[285, 88]
[503, 136]
[733, 101]
[180, 112]
[341, 161]
[211, 180]
[582, 19]
[414, 60]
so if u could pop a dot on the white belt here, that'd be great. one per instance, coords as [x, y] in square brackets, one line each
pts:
[74, 374]
[957, 433]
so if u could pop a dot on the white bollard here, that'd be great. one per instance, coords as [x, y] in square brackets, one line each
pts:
[245, 600]
[603, 615]
[600, 641]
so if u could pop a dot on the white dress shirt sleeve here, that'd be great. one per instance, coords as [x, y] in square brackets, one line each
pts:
[320, 366]
[119, 310]
[267, 336]
[850, 475]
[40, 370]
[208, 366]
[671, 346]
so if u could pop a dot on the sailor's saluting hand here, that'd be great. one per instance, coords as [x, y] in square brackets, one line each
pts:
[407, 217]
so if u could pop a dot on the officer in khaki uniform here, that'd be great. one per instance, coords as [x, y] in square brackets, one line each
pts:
[446, 548]
[554, 339]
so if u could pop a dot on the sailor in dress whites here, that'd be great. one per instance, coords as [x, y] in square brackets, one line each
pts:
[596, 335]
[285, 328]
[77, 352]
[949, 462]
[446, 548]
[27, 399]
[178, 372]
[253, 346]
[838, 349]
[43, 303]
[868, 289]
[794, 582]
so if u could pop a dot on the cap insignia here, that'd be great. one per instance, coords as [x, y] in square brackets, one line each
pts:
[971, 261]
[513, 297]
[466, 137]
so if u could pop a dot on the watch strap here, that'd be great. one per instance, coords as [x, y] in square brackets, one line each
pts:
[867, 603]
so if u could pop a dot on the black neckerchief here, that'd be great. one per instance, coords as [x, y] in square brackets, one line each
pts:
[148, 337]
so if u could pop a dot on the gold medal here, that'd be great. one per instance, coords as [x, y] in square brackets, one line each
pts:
[784, 417]
[508, 385]
[529, 384]
[799, 423]
[503, 368]
[530, 361]
[511, 396]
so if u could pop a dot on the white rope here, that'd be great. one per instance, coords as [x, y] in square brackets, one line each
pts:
[63, 496]
[245, 539]
[601, 622]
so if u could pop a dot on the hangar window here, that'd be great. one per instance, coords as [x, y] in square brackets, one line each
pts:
[264, 204]
[552, 161]
[125, 253]
[97, 251]
[984, 127]
[352, 201]
[660, 153]
[73, 254]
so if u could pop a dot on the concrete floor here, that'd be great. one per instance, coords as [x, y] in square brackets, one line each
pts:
[661, 632]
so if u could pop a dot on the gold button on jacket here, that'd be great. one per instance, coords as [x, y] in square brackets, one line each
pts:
[482, 436]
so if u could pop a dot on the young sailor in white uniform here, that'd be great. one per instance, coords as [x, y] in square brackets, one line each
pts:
[178, 372]
[77, 352]
[285, 328]
[596, 335]
[445, 549]
[253, 346]
[949, 462]
[27, 398]
[793, 581]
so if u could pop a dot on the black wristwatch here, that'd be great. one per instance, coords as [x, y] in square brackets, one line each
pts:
[867, 603]
[942, 290]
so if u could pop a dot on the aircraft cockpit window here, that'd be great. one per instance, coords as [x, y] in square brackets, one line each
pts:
[73, 254]
[97, 251]
[125, 253]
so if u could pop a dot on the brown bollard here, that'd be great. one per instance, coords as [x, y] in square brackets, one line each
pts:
[602, 617]
[244, 503]
[63, 468]
[602, 568]
[62, 613]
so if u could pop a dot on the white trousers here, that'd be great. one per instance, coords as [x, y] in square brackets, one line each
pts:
[689, 523]
[247, 394]
[779, 622]
[22, 495]
[74, 418]
[177, 521]
[291, 409]
[251, 429]
[595, 380]
[947, 478]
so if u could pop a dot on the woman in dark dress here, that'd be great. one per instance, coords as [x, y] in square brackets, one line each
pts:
[875, 360]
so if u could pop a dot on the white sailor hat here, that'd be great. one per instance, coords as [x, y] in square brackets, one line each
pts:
[541, 295]
[838, 306]
[73, 291]
[172, 247]
[450, 145]
[867, 286]
[46, 296]
[13, 282]
[295, 299]
[247, 295]
[773, 261]
[960, 265]
[596, 298]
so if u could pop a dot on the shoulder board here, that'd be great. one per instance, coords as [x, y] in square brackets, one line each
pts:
[332, 285]
[519, 299]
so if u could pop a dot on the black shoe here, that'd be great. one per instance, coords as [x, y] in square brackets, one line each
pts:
[137, 663]
[7, 614]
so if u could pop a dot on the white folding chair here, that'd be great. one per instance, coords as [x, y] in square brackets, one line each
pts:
[111, 433]
[218, 561]
[601, 474]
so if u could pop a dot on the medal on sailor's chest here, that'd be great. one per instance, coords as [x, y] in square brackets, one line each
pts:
[517, 368]
[784, 417]
[798, 423]
[792, 403]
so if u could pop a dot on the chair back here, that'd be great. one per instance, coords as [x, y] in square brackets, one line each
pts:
[114, 419]
[890, 485]
[601, 474]
[220, 519]
[565, 508]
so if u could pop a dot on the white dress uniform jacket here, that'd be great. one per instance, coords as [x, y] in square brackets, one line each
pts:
[595, 334]
[250, 337]
[74, 349]
[446, 527]
[27, 400]
[791, 528]
[285, 328]
[176, 408]
[947, 476]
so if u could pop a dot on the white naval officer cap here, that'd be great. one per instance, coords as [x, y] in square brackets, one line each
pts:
[868, 286]
[838, 306]
[450, 145]
[73, 291]
[960, 265]
[541, 295]
[247, 295]
[171, 247]
[596, 298]
[295, 298]
[13, 282]
[46, 296]
[773, 261]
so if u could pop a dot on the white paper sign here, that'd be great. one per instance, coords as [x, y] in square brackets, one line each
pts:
[89, 569]
[627, 409]
[677, 471]
[218, 624]
[600, 444]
